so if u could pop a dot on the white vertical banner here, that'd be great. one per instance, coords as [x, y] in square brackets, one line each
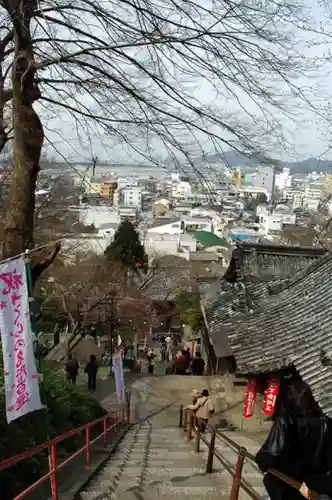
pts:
[119, 380]
[21, 377]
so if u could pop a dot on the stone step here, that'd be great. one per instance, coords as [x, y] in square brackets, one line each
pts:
[166, 492]
[158, 493]
[151, 463]
[160, 463]
[175, 455]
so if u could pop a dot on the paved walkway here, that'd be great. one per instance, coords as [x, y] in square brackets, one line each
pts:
[154, 462]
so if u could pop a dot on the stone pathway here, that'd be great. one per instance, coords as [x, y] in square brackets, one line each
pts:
[250, 471]
[153, 462]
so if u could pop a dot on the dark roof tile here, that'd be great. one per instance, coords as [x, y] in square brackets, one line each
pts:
[290, 328]
[268, 261]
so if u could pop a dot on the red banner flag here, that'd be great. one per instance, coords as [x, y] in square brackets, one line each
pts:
[271, 397]
[250, 400]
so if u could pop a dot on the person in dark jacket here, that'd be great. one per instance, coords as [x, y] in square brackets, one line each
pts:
[299, 445]
[72, 368]
[91, 370]
[197, 365]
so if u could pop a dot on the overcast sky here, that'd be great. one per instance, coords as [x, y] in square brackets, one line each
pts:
[308, 136]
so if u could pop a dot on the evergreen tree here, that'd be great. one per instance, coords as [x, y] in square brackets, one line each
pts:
[127, 248]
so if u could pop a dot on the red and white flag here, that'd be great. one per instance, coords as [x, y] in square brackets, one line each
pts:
[250, 399]
[21, 377]
[271, 397]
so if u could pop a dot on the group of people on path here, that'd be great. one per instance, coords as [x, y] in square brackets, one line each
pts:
[184, 364]
[91, 369]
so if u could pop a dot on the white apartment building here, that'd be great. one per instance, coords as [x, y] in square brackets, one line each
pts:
[283, 180]
[253, 191]
[124, 182]
[132, 197]
[312, 196]
[99, 216]
[181, 188]
[181, 226]
[275, 220]
[298, 198]
[263, 177]
[168, 244]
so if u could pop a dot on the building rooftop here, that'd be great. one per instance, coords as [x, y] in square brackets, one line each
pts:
[265, 261]
[208, 239]
[292, 328]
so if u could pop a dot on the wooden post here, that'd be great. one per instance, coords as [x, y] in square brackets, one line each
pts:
[105, 431]
[185, 420]
[197, 438]
[181, 416]
[116, 424]
[53, 478]
[209, 464]
[238, 475]
[190, 426]
[87, 446]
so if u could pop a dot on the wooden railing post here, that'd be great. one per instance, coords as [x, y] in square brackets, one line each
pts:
[128, 400]
[185, 420]
[123, 415]
[87, 446]
[209, 464]
[238, 475]
[116, 424]
[197, 437]
[181, 417]
[105, 431]
[190, 426]
[53, 466]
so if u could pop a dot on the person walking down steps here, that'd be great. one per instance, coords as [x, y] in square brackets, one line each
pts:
[72, 368]
[91, 370]
[203, 409]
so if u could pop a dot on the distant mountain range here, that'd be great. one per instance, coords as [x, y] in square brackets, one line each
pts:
[235, 159]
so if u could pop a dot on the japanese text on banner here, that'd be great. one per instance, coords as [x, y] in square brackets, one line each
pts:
[250, 399]
[271, 397]
[119, 380]
[21, 378]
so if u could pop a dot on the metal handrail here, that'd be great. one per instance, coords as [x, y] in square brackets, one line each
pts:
[238, 481]
[120, 416]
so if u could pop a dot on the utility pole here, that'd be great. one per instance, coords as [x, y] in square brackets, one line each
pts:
[111, 328]
[94, 164]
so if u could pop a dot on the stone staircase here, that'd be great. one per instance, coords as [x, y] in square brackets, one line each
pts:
[155, 460]
[152, 463]
[250, 473]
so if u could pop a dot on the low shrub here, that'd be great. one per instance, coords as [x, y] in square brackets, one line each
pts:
[68, 407]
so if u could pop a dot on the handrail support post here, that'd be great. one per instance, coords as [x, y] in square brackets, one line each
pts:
[197, 438]
[105, 431]
[209, 464]
[87, 446]
[53, 468]
[181, 417]
[190, 426]
[185, 420]
[238, 474]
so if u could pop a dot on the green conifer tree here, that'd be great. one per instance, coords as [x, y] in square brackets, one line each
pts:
[127, 248]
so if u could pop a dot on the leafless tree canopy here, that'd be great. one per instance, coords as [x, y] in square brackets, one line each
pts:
[172, 75]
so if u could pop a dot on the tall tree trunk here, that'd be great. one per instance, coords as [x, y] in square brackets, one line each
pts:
[28, 137]
[28, 140]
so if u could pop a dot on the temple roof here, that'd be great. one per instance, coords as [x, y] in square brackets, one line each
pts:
[292, 328]
[265, 261]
